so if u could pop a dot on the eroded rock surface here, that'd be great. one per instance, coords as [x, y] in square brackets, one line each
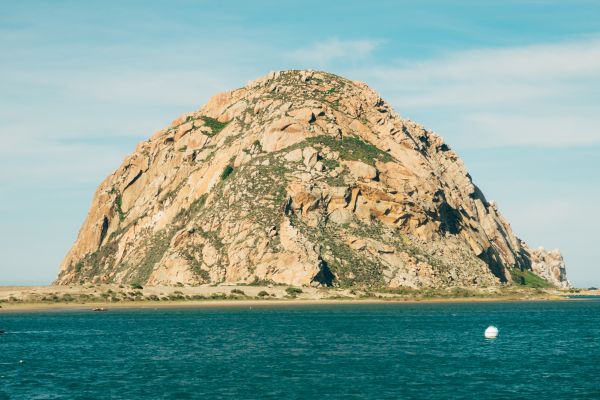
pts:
[302, 178]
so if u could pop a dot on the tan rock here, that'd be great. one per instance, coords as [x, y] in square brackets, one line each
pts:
[361, 170]
[310, 156]
[550, 265]
[282, 133]
[341, 216]
[183, 129]
[294, 155]
[234, 204]
[304, 115]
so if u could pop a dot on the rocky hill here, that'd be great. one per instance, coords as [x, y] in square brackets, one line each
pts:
[301, 178]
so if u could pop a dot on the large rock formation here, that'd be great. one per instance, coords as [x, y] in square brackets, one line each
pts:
[549, 265]
[302, 178]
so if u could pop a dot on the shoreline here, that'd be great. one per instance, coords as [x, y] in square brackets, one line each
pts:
[113, 297]
[243, 303]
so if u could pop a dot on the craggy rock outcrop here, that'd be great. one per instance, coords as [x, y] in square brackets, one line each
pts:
[550, 265]
[303, 178]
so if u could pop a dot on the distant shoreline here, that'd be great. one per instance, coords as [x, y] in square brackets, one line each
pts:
[191, 304]
[86, 298]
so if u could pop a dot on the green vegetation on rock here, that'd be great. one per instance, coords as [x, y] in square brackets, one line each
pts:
[528, 278]
[119, 207]
[214, 124]
[353, 148]
[226, 172]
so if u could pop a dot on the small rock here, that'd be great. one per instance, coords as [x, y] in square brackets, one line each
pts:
[272, 231]
[341, 216]
[311, 156]
[294, 155]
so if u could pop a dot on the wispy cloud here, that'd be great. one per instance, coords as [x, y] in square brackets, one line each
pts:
[324, 53]
[533, 95]
[550, 128]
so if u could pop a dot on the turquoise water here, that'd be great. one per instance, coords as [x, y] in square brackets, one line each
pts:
[546, 350]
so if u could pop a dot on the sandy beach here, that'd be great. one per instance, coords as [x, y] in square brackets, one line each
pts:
[46, 298]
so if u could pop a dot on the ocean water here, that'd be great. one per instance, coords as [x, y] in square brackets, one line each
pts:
[545, 350]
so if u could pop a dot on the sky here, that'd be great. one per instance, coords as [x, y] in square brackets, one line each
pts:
[512, 86]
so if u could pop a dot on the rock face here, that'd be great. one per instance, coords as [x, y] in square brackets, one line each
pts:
[302, 178]
[550, 265]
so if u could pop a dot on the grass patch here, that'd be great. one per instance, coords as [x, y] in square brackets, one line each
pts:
[157, 246]
[214, 125]
[353, 148]
[528, 278]
[186, 213]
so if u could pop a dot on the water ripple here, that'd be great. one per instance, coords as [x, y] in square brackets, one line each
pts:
[547, 350]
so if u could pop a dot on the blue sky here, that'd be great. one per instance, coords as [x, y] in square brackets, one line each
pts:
[513, 86]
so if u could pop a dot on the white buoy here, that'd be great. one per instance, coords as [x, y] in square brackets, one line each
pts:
[491, 332]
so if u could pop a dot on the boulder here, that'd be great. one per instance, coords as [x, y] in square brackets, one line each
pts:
[361, 170]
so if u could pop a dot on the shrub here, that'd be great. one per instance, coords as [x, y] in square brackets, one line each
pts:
[226, 172]
[137, 286]
[119, 207]
[67, 297]
[293, 291]
[238, 291]
[263, 293]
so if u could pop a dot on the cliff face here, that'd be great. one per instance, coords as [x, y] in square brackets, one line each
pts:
[303, 178]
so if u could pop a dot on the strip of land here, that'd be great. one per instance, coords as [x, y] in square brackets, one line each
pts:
[89, 297]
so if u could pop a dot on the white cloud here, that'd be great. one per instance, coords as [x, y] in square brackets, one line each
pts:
[69, 121]
[530, 129]
[321, 54]
[541, 94]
